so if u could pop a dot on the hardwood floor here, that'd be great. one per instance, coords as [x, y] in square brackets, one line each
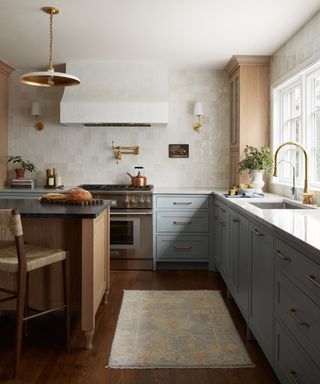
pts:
[44, 360]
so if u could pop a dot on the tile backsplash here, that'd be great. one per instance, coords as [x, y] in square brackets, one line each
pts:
[84, 154]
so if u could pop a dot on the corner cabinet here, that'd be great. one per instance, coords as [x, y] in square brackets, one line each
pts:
[5, 72]
[182, 225]
[249, 103]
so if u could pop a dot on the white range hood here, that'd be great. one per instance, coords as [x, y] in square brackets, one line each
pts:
[116, 94]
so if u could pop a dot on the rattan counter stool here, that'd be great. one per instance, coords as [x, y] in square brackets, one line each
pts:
[19, 258]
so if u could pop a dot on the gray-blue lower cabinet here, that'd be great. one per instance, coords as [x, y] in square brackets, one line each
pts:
[221, 254]
[182, 225]
[261, 290]
[239, 247]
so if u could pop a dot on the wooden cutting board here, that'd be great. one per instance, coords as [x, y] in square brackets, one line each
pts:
[73, 202]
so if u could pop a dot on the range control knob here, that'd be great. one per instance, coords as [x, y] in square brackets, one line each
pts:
[126, 203]
[132, 203]
[148, 202]
[141, 202]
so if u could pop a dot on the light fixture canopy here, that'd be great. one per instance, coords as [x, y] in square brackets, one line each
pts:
[50, 78]
[198, 111]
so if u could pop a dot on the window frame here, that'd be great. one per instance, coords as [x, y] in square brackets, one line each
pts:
[305, 79]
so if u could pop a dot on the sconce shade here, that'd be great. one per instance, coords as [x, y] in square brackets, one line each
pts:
[198, 109]
[36, 109]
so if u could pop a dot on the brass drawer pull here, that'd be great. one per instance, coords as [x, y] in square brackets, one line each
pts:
[313, 280]
[256, 232]
[292, 312]
[236, 220]
[283, 258]
[182, 222]
[182, 202]
[292, 375]
[181, 247]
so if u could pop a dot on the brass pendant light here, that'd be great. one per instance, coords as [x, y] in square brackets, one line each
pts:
[50, 78]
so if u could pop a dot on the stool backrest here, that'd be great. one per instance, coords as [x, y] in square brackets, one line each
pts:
[10, 225]
[11, 230]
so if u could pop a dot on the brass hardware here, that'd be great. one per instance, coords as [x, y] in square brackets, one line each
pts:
[182, 222]
[313, 280]
[180, 247]
[197, 126]
[120, 151]
[283, 258]
[256, 232]
[182, 203]
[292, 312]
[39, 126]
[307, 195]
[292, 375]
[236, 220]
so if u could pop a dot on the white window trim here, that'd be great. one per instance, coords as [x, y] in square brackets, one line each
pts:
[304, 78]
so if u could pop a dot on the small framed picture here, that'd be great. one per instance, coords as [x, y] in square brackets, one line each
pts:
[179, 150]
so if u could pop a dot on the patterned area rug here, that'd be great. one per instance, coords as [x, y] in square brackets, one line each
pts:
[176, 329]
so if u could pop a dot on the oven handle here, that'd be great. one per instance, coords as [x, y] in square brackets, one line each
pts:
[130, 213]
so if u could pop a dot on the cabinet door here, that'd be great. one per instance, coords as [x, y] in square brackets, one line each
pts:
[261, 292]
[239, 261]
[235, 109]
[221, 247]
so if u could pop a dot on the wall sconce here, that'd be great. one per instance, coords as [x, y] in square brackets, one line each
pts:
[198, 111]
[36, 112]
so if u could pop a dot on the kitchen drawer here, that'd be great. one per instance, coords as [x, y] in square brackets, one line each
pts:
[296, 264]
[291, 364]
[168, 221]
[182, 247]
[182, 202]
[299, 314]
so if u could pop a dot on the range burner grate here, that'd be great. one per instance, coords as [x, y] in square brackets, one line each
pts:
[115, 187]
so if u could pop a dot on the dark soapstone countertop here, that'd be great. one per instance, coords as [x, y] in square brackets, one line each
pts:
[32, 208]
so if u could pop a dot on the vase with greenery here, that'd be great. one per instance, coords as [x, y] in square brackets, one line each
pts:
[257, 162]
[21, 165]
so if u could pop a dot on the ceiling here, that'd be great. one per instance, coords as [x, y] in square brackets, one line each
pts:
[188, 32]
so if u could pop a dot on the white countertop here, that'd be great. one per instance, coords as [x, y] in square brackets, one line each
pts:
[183, 190]
[300, 225]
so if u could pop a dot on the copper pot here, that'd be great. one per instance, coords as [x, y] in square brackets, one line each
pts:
[138, 180]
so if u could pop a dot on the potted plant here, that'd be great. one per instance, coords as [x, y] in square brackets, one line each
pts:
[257, 162]
[22, 165]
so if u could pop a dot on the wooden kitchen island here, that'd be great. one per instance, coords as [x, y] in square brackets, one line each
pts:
[84, 232]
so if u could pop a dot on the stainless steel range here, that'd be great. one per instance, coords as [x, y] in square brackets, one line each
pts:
[130, 224]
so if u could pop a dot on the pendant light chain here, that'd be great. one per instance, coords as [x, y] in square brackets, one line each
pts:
[51, 41]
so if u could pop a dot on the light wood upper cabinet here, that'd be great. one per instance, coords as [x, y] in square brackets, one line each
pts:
[249, 117]
[5, 72]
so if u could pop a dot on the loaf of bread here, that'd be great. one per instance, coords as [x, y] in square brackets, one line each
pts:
[78, 194]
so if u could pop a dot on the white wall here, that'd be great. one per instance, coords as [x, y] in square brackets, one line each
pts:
[84, 154]
[300, 51]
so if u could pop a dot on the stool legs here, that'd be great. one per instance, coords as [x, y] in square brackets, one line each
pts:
[22, 283]
[66, 290]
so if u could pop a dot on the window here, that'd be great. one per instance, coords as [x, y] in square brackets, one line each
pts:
[296, 117]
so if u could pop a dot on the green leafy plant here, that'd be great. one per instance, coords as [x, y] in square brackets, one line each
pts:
[257, 160]
[27, 165]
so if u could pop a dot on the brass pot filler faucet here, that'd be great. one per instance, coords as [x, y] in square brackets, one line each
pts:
[307, 195]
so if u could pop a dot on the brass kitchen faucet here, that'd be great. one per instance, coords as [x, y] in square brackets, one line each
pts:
[307, 195]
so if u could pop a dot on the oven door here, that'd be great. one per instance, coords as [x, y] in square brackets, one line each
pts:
[124, 232]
